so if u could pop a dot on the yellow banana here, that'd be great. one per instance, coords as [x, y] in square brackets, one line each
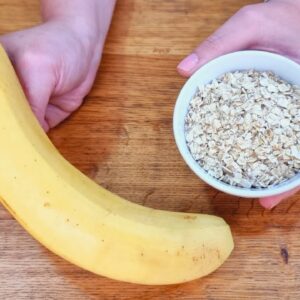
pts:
[86, 224]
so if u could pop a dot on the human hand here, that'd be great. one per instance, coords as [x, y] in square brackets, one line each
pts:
[272, 26]
[55, 66]
[57, 61]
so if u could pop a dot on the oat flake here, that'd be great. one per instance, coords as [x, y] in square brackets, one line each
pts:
[244, 128]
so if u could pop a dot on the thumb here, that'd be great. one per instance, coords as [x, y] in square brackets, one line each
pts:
[36, 77]
[270, 202]
[239, 33]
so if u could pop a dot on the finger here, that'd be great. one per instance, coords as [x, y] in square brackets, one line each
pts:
[60, 108]
[270, 202]
[55, 115]
[67, 103]
[34, 84]
[37, 79]
[239, 33]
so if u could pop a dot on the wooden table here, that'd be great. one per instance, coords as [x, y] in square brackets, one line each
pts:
[122, 138]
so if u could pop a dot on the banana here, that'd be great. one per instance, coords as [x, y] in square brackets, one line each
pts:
[87, 225]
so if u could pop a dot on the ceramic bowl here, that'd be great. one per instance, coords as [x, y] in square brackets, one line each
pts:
[242, 60]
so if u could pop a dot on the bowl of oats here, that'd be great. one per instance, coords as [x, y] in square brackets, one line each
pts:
[237, 124]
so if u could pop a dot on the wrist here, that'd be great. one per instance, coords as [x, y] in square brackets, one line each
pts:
[88, 35]
[89, 20]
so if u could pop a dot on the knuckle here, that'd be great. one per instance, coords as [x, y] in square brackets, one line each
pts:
[73, 105]
[34, 57]
[68, 105]
[251, 12]
[214, 42]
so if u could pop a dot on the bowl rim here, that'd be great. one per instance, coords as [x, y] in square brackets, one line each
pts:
[195, 167]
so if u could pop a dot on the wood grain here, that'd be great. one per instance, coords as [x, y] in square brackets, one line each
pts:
[122, 138]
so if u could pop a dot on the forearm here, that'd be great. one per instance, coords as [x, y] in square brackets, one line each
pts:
[91, 18]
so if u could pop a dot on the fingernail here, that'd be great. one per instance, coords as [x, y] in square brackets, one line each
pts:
[268, 203]
[188, 64]
[271, 206]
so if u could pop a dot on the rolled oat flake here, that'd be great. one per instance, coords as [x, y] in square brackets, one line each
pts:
[244, 129]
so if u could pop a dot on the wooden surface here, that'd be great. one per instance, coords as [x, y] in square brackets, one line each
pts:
[122, 138]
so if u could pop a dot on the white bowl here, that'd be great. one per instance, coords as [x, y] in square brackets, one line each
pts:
[242, 60]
